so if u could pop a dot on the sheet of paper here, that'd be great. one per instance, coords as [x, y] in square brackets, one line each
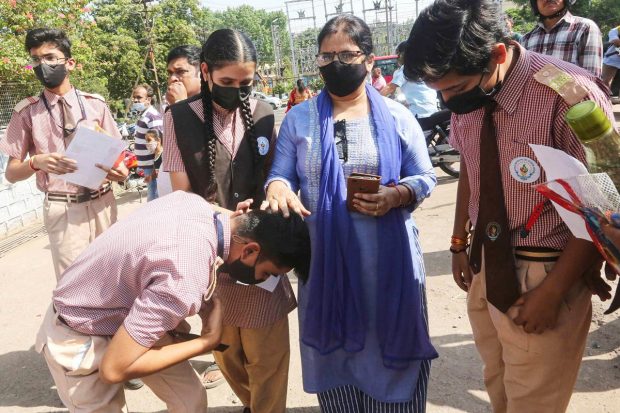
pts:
[560, 165]
[87, 148]
[269, 284]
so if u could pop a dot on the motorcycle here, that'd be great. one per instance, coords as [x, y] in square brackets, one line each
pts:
[437, 129]
[135, 179]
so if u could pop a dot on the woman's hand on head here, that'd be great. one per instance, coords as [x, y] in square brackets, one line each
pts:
[281, 198]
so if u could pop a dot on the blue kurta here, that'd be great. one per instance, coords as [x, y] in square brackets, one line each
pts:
[298, 163]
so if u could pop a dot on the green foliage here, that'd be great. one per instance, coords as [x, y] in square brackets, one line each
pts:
[605, 13]
[281, 88]
[110, 38]
[316, 84]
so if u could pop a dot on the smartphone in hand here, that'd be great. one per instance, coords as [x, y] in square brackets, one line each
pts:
[361, 183]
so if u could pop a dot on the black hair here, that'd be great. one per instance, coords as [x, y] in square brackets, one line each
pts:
[149, 90]
[355, 28]
[224, 47]
[400, 49]
[155, 132]
[300, 85]
[189, 52]
[453, 35]
[37, 37]
[283, 241]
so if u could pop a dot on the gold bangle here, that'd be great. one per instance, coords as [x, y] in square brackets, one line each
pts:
[458, 240]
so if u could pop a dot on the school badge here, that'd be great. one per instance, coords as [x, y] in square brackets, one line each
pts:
[263, 145]
[524, 170]
[493, 230]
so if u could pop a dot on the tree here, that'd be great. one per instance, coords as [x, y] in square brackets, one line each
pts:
[110, 38]
[605, 13]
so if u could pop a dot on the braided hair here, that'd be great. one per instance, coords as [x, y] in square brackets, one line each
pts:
[224, 47]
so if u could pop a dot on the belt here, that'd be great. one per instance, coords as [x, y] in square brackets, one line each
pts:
[62, 320]
[538, 254]
[79, 198]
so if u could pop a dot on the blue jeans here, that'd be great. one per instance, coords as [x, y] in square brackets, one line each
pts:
[151, 190]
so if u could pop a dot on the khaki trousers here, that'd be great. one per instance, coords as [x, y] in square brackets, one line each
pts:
[73, 359]
[256, 365]
[529, 372]
[71, 227]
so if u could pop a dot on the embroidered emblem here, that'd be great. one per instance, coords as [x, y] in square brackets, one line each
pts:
[263, 145]
[493, 230]
[524, 170]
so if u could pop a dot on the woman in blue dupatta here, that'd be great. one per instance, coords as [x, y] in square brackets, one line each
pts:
[365, 345]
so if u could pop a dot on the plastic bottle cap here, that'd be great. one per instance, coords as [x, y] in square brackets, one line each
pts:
[587, 120]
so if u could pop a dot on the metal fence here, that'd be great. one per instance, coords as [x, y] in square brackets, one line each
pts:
[10, 94]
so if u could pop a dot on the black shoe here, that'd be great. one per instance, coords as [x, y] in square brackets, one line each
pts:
[133, 384]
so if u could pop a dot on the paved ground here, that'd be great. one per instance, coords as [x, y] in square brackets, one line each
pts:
[27, 279]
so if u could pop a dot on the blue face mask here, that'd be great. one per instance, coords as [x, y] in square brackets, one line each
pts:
[138, 107]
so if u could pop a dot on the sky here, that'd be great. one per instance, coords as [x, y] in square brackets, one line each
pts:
[404, 10]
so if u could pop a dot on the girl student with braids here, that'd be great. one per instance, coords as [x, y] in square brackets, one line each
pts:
[218, 144]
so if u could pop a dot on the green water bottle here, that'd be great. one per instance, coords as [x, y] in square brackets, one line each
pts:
[599, 137]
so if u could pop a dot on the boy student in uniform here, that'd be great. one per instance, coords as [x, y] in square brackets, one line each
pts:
[103, 330]
[42, 127]
[217, 144]
[528, 303]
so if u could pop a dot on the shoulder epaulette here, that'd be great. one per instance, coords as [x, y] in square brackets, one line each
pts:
[24, 103]
[92, 95]
[563, 83]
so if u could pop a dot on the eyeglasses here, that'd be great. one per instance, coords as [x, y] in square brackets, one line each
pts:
[182, 73]
[346, 57]
[340, 138]
[48, 60]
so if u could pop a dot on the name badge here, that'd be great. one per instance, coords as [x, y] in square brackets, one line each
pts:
[525, 170]
[263, 145]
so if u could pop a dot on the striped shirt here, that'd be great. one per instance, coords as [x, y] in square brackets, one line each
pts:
[527, 113]
[150, 119]
[244, 306]
[33, 130]
[151, 282]
[574, 39]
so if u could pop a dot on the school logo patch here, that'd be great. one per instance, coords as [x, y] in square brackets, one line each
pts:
[493, 230]
[524, 170]
[263, 145]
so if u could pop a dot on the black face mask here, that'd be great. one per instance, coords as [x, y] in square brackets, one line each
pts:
[240, 272]
[341, 79]
[472, 99]
[51, 76]
[230, 98]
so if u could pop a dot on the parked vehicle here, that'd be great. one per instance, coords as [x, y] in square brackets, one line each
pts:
[388, 65]
[135, 179]
[437, 129]
[272, 100]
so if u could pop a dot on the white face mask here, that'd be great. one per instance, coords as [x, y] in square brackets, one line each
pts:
[151, 146]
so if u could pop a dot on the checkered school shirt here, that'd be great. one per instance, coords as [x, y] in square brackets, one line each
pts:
[244, 306]
[573, 39]
[527, 113]
[150, 119]
[148, 272]
[33, 131]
